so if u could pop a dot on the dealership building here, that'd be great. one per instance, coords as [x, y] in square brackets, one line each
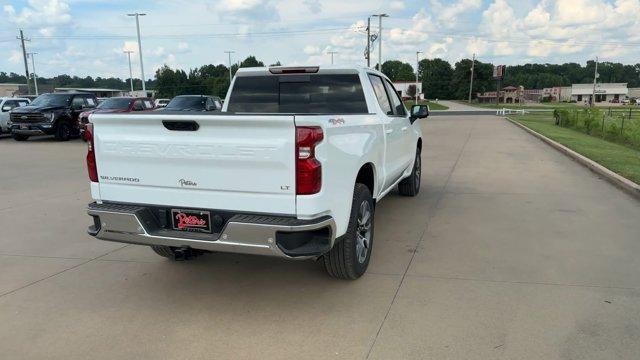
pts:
[604, 92]
[402, 87]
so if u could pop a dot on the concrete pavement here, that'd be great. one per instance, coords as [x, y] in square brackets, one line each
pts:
[511, 251]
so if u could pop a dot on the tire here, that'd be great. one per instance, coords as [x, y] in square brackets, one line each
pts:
[63, 132]
[411, 185]
[20, 137]
[176, 254]
[350, 255]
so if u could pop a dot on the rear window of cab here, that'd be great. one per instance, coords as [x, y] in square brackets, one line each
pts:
[298, 94]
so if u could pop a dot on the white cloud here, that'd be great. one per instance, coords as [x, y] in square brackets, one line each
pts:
[311, 50]
[49, 12]
[397, 5]
[449, 12]
[15, 57]
[159, 51]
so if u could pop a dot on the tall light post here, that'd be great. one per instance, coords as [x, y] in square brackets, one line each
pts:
[137, 15]
[380, 16]
[332, 53]
[595, 80]
[33, 66]
[417, 69]
[473, 65]
[229, 52]
[128, 52]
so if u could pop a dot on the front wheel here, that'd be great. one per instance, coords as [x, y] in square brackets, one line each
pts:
[63, 133]
[411, 185]
[349, 257]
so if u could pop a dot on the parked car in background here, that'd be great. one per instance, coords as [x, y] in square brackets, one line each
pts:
[117, 105]
[54, 114]
[6, 105]
[160, 103]
[194, 103]
[295, 172]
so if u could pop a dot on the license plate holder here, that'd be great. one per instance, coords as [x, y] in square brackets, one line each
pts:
[24, 127]
[191, 220]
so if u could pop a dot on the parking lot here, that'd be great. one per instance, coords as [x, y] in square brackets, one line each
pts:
[510, 251]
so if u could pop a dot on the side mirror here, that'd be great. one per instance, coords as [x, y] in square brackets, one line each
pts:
[6, 108]
[419, 112]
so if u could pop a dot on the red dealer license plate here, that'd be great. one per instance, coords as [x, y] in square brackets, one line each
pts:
[191, 220]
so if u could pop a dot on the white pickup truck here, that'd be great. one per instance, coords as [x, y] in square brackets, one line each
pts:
[293, 167]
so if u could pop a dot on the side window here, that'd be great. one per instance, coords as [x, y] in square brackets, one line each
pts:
[22, 103]
[148, 104]
[218, 104]
[381, 93]
[398, 106]
[137, 105]
[91, 102]
[77, 102]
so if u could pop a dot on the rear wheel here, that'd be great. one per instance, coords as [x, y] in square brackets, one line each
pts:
[20, 137]
[63, 133]
[411, 185]
[176, 253]
[349, 257]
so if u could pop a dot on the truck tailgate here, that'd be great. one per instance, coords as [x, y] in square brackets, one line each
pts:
[242, 163]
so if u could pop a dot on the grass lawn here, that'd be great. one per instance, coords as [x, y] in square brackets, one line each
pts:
[618, 158]
[550, 106]
[432, 105]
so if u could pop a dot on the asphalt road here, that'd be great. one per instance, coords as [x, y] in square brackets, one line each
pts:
[511, 251]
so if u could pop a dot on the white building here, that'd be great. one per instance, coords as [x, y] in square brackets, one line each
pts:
[9, 90]
[403, 86]
[604, 92]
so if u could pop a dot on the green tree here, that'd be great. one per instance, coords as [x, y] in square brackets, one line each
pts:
[436, 75]
[398, 71]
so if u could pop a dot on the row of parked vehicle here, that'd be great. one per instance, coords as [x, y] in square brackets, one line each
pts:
[64, 115]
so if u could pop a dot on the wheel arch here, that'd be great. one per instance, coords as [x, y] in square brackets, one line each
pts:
[367, 176]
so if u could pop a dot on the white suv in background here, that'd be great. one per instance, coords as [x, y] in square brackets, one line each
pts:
[6, 105]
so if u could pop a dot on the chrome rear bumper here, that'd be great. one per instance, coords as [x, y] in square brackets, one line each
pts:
[247, 234]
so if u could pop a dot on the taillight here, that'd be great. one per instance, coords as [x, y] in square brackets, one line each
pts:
[308, 168]
[91, 154]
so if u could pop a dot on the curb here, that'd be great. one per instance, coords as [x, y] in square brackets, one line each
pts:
[618, 181]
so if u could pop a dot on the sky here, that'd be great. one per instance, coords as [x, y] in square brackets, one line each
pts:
[88, 37]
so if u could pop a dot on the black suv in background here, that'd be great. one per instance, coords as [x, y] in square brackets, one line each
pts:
[193, 103]
[51, 114]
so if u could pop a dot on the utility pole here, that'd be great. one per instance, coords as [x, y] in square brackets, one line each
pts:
[417, 67]
[24, 55]
[380, 16]
[369, 41]
[595, 80]
[128, 52]
[229, 52]
[137, 15]
[33, 66]
[473, 65]
[332, 53]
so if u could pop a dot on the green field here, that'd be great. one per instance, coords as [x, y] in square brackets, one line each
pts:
[432, 105]
[550, 106]
[621, 159]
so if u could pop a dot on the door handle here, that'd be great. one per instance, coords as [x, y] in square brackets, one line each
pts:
[404, 128]
[389, 131]
[188, 125]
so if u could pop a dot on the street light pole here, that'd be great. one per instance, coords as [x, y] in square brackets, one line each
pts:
[369, 41]
[137, 15]
[417, 70]
[473, 65]
[128, 52]
[33, 66]
[229, 52]
[595, 80]
[331, 53]
[380, 16]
